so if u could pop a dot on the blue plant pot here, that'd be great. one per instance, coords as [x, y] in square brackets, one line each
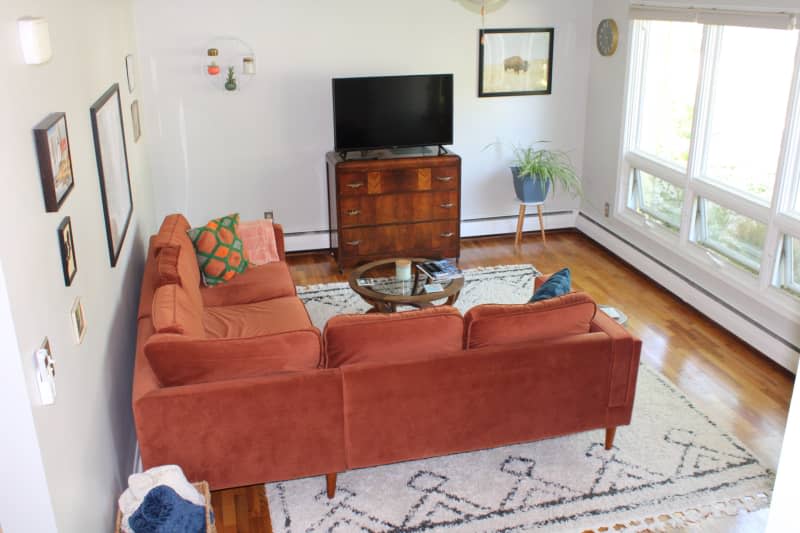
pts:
[529, 190]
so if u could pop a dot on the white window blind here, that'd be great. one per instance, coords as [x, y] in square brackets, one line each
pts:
[716, 17]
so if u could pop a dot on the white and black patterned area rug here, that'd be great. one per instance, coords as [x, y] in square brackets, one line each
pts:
[672, 462]
[502, 284]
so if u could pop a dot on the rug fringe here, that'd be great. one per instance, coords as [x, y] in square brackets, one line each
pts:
[690, 517]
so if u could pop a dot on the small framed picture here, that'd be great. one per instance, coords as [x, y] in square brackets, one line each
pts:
[515, 62]
[78, 321]
[67, 246]
[55, 160]
[130, 72]
[137, 125]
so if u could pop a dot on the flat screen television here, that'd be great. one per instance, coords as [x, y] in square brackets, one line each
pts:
[392, 112]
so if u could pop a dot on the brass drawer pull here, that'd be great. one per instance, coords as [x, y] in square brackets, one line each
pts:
[447, 234]
[353, 243]
[356, 185]
[354, 212]
[444, 178]
[448, 205]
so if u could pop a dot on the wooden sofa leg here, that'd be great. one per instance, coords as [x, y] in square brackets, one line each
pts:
[331, 483]
[610, 432]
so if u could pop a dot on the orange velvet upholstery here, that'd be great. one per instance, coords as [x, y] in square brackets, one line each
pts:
[214, 386]
[246, 431]
[251, 320]
[233, 394]
[255, 284]
[384, 338]
[177, 360]
[175, 312]
[475, 399]
[494, 324]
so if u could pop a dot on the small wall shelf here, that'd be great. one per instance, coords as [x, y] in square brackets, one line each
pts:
[230, 52]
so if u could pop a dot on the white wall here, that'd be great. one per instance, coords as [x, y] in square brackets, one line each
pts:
[24, 498]
[263, 147]
[602, 148]
[86, 439]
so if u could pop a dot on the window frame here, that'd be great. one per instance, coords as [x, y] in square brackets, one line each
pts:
[780, 215]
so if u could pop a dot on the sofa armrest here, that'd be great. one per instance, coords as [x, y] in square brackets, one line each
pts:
[279, 241]
[625, 353]
[243, 432]
[176, 360]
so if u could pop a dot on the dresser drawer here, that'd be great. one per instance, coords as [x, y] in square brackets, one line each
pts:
[399, 239]
[445, 178]
[398, 208]
[352, 183]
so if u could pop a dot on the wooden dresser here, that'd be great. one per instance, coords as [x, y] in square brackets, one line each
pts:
[394, 207]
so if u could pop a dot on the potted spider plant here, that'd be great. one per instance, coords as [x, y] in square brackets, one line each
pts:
[535, 171]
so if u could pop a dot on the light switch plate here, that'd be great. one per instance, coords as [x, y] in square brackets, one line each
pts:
[46, 373]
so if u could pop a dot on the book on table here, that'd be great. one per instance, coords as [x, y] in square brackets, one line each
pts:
[441, 270]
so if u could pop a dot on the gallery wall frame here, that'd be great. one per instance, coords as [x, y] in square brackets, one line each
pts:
[55, 160]
[515, 61]
[112, 167]
[66, 245]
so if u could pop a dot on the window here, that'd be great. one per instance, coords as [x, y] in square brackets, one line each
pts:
[747, 112]
[736, 237]
[657, 200]
[789, 275]
[668, 85]
[708, 107]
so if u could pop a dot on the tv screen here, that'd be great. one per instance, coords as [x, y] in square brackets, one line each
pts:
[392, 112]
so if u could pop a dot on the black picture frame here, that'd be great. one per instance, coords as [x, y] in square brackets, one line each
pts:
[53, 151]
[66, 244]
[112, 167]
[494, 78]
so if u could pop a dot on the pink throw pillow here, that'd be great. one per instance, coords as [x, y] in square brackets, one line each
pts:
[258, 238]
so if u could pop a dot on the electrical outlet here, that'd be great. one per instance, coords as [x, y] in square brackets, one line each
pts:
[268, 215]
[606, 209]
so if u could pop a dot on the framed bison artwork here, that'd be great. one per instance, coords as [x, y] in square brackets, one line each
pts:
[515, 62]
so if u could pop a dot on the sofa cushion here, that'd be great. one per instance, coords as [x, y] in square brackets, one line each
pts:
[350, 339]
[256, 284]
[496, 324]
[219, 250]
[557, 284]
[261, 318]
[177, 360]
[175, 311]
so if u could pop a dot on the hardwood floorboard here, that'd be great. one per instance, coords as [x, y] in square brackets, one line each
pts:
[740, 388]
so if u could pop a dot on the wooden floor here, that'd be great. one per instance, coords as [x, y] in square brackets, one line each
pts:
[742, 390]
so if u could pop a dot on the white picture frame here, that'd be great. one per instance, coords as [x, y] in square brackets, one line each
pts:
[78, 318]
[130, 72]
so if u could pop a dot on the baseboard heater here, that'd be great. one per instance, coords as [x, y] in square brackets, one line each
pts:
[686, 280]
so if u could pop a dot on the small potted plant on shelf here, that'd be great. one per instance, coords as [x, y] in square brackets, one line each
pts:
[534, 171]
[230, 83]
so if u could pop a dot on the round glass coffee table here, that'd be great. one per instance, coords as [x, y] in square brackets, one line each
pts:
[377, 284]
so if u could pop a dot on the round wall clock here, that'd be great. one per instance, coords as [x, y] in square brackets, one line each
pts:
[607, 37]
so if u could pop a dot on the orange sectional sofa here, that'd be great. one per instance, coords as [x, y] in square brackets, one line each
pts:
[234, 383]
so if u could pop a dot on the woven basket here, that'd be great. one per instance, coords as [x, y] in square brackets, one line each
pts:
[202, 487]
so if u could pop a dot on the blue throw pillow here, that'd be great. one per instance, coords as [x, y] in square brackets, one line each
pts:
[557, 285]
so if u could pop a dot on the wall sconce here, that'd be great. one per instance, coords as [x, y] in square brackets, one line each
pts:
[34, 36]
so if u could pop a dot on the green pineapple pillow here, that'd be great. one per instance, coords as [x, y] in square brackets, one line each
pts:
[219, 250]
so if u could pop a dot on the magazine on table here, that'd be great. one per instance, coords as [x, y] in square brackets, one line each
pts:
[441, 270]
